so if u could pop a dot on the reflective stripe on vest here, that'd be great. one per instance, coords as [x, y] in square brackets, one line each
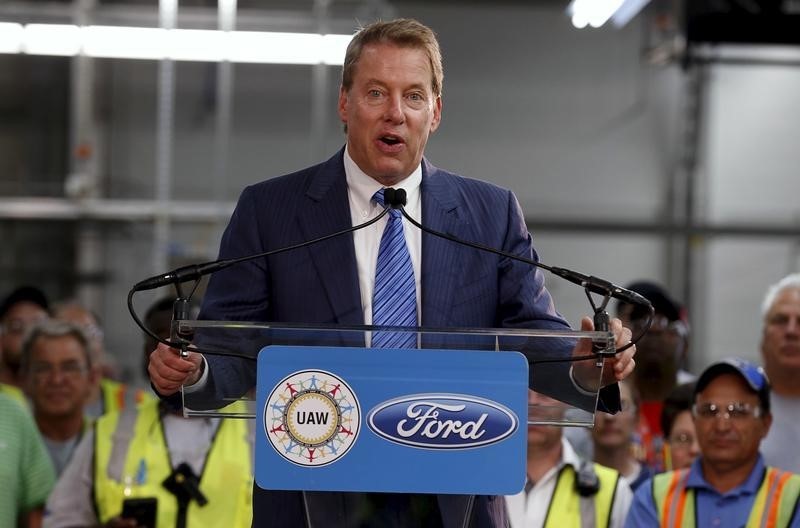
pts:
[568, 509]
[117, 397]
[773, 507]
[132, 460]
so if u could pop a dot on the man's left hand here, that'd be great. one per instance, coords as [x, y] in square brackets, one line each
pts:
[615, 368]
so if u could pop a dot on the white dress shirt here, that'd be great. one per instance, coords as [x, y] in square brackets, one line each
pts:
[360, 190]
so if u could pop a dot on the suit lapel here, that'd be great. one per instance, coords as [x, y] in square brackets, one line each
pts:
[439, 256]
[327, 210]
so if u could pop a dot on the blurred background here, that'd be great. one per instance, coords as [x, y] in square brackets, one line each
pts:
[662, 144]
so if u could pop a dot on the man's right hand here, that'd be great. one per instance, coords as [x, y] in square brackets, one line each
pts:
[169, 371]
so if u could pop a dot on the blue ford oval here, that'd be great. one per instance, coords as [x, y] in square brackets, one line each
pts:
[442, 421]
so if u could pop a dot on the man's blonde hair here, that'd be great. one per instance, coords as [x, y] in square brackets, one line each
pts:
[403, 32]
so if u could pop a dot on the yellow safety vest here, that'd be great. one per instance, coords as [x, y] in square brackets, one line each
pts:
[565, 509]
[117, 397]
[14, 393]
[773, 507]
[227, 478]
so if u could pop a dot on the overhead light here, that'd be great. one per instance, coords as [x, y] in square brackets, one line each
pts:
[10, 37]
[595, 13]
[119, 42]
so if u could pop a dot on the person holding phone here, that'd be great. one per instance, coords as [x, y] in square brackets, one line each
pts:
[150, 466]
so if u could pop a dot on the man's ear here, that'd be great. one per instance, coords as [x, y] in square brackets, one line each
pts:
[343, 102]
[437, 114]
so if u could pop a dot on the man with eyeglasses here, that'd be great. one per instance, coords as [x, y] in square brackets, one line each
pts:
[57, 374]
[108, 395]
[780, 350]
[729, 484]
[21, 309]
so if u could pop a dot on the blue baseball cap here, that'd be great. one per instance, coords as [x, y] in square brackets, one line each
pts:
[752, 374]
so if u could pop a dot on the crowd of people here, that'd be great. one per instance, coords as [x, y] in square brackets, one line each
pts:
[708, 450]
[78, 448]
[716, 450]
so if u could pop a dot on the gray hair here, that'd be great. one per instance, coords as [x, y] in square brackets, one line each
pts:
[50, 329]
[789, 282]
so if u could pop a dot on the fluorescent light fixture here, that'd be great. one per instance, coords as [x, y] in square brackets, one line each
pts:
[51, 39]
[118, 42]
[10, 37]
[124, 42]
[594, 13]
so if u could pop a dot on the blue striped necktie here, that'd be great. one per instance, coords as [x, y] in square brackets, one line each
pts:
[394, 302]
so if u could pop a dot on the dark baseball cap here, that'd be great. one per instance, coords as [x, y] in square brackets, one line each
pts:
[662, 302]
[29, 294]
[752, 374]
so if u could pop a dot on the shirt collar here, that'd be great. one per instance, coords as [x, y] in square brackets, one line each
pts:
[363, 187]
[568, 454]
[748, 487]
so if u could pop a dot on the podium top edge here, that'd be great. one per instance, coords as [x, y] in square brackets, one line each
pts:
[276, 326]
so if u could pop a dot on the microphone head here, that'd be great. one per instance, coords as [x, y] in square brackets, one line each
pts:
[388, 196]
[394, 197]
[399, 197]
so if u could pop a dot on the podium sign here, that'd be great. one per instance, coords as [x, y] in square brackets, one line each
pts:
[391, 420]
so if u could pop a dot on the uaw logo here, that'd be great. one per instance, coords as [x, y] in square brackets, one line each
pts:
[442, 421]
[312, 418]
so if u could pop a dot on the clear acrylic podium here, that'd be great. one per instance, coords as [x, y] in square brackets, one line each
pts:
[310, 470]
[549, 353]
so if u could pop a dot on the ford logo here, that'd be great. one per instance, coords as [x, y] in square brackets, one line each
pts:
[442, 421]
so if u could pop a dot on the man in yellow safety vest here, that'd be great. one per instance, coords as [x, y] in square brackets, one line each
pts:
[563, 491]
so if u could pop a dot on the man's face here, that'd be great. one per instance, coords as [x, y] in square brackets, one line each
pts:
[613, 431]
[541, 437]
[18, 320]
[660, 351]
[390, 110]
[683, 445]
[731, 439]
[780, 340]
[58, 379]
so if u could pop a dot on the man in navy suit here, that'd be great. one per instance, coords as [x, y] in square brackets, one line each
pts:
[390, 102]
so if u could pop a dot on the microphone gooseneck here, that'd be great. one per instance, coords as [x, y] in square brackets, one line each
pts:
[588, 282]
[393, 198]
[195, 272]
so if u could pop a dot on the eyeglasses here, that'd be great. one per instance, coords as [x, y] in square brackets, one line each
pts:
[681, 440]
[660, 324]
[70, 369]
[17, 326]
[736, 411]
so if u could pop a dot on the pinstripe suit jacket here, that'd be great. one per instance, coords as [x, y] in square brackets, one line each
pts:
[461, 287]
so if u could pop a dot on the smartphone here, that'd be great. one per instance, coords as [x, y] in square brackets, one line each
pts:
[143, 510]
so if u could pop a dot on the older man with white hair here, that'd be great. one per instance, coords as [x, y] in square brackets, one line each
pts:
[780, 350]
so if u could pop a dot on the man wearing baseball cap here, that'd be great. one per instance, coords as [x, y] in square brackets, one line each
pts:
[729, 484]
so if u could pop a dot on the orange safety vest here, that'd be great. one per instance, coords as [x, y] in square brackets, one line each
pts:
[774, 505]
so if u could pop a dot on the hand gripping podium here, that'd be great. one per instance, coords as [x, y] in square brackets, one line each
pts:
[449, 417]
